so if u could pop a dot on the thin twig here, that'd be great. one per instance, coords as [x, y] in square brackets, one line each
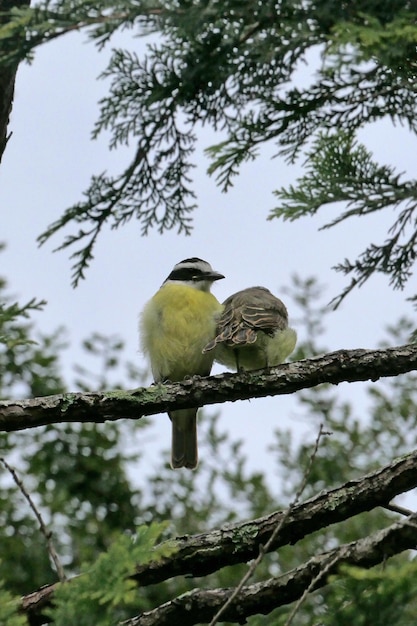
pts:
[410, 522]
[43, 528]
[339, 557]
[391, 506]
[265, 548]
[329, 565]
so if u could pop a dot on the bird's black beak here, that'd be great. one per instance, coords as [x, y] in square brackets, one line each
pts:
[213, 276]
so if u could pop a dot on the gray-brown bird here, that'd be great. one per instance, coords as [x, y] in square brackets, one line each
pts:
[252, 331]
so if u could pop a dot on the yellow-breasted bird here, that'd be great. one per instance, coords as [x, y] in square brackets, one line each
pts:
[175, 326]
[252, 331]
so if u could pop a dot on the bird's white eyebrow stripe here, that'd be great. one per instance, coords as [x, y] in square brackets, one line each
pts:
[189, 269]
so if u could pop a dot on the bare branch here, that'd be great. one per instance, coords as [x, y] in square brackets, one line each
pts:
[321, 575]
[335, 367]
[43, 528]
[396, 508]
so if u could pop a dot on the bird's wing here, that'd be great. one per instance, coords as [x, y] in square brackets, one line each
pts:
[246, 312]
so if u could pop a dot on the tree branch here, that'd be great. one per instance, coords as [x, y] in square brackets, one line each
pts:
[43, 528]
[7, 78]
[335, 368]
[202, 554]
[265, 548]
[198, 606]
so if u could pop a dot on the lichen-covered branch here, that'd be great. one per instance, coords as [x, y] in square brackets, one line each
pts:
[335, 368]
[198, 606]
[205, 553]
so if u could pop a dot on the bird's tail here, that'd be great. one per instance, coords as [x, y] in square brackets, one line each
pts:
[184, 439]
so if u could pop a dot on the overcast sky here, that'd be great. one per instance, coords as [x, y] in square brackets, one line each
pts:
[47, 166]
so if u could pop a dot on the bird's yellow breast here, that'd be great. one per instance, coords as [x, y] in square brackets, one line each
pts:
[175, 326]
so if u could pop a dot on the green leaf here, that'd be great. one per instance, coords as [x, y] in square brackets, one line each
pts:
[104, 591]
